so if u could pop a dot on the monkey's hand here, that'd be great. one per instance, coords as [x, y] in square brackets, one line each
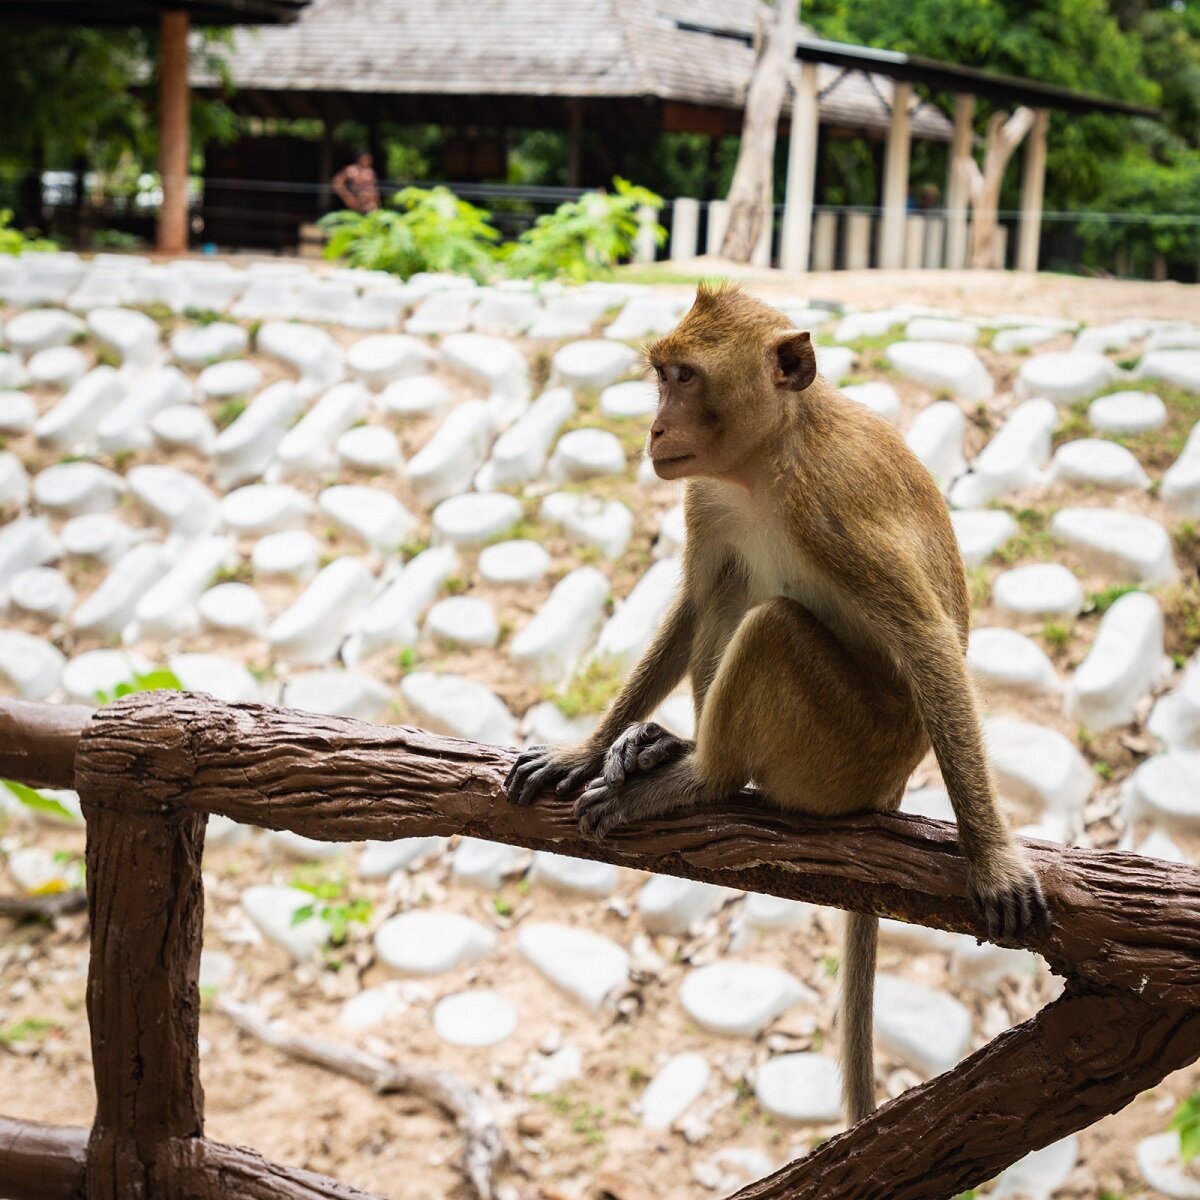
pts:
[641, 747]
[540, 768]
[1011, 898]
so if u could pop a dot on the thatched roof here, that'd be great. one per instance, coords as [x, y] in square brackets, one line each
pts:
[598, 49]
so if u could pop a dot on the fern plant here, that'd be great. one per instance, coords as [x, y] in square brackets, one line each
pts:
[13, 241]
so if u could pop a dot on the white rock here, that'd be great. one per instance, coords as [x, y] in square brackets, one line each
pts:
[261, 508]
[519, 561]
[381, 359]
[310, 351]
[1181, 483]
[368, 448]
[1175, 719]
[132, 335]
[550, 1073]
[1098, 463]
[463, 621]
[200, 345]
[941, 329]
[632, 627]
[474, 518]
[71, 424]
[25, 542]
[1180, 368]
[1160, 1165]
[505, 313]
[446, 464]
[111, 606]
[732, 1169]
[1165, 789]
[635, 398]
[100, 671]
[12, 371]
[294, 552]
[419, 396]
[520, 452]
[184, 427]
[984, 966]
[126, 427]
[835, 362]
[29, 665]
[943, 366]
[496, 363]
[217, 676]
[881, 398]
[441, 313]
[1181, 338]
[72, 488]
[42, 591]
[371, 1007]
[459, 707]
[244, 450]
[485, 864]
[1131, 547]
[42, 328]
[678, 1084]
[476, 1018]
[677, 715]
[805, 1088]
[544, 724]
[1035, 765]
[338, 694]
[168, 607]
[592, 365]
[233, 608]
[95, 535]
[228, 380]
[17, 413]
[585, 965]
[980, 533]
[308, 447]
[868, 324]
[36, 869]
[644, 315]
[1064, 376]
[585, 453]
[928, 1030]
[575, 874]
[273, 909]
[738, 998]
[672, 533]
[1011, 460]
[176, 500]
[1007, 341]
[552, 643]
[60, 366]
[1003, 658]
[216, 970]
[667, 904]
[391, 617]
[936, 438]
[14, 480]
[607, 525]
[1127, 412]
[774, 912]
[428, 943]
[1038, 589]
[371, 514]
[312, 628]
[381, 859]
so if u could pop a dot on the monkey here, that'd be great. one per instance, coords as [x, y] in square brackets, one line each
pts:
[822, 618]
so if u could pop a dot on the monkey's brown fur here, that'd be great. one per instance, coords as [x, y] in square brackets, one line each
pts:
[823, 620]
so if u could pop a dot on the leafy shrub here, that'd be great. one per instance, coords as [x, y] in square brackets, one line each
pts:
[1186, 1122]
[13, 241]
[159, 679]
[432, 231]
[583, 238]
[116, 239]
[331, 904]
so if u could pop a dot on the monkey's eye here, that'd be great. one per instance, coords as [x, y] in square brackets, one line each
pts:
[685, 374]
[662, 375]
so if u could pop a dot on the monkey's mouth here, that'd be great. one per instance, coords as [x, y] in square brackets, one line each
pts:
[672, 462]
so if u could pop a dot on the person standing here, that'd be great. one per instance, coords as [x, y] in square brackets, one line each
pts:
[357, 186]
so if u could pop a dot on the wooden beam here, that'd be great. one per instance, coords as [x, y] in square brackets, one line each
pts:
[173, 133]
[38, 742]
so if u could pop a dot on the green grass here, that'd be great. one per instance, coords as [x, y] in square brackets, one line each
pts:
[228, 412]
[31, 1029]
[1102, 601]
[1032, 541]
[1055, 634]
[590, 691]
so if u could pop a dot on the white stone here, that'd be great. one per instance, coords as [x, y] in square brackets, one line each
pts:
[1012, 459]
[667, 904]
[1125, 662]
[1064, 376]
[308, 350]
[630, 629]
[575, 874]
[428, 943]
[126, 427]
[95, 535]
[476, 1018]
[294, 552]
[1007, 341]
[1099, 338]
[835, 362]
[519, 561]
[1165, 789]
[585, 453]
[41, 328]
[459, 707]
[370, 514]
[14, 480]
[273, 909]
[585, 965]
[672, 533]
[216, 970]
[1160, 1165]
[928, 1030]
[605, 524]
[761, 911]
[943, 366]
[1175, 719]
[1181, 483]
[936, 438]
[447, 463]
[60, 366]
[381, 859]
[419, 396]
[228, 380]
[644, 315]
[1182, 338]
[312, 628]
[244, 450]
[941, 329]
[71, 424]
[441, 313]
[494, 362]
[131, 335]
[485, 864]
[545, 724]
[551, 644]
[25, 542]
[111, 606]
[371, 1007]
[12, 371]
[1131, 547]
[184, 427]
[881, 398]
[17, 413]
[805, 1088]
[1098, 463]
[368, 448]
[1158, 844]
[36, 869]
[43, 591]
[261, 508]
[981, 532]
[983, 966]
[168, 607]
[738, 998]
[635, 398]
[200, 345]
[176, 500]
[391, 617]
[677, 715]
[731, 1169]
[233, 608]
[505, 313]
[1003, 658]
[474, 518]
[1039, 589]
[1038, 766]
[97, 671]
[385, 357]
[463, 621]
[677, 1085]
[593, 364]
[1127, 412]
[72, 488]
[29, 665]
[337, 693]
[520, 452]
[217, 676]
[1181, 368]
[868, 324]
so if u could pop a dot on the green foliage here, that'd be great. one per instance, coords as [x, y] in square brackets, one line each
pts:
[1186, 1122]
[585, 238]
[332, 905]
[1102, 601]
[159, 679]
[34, 800]
[590, 690]
[13, 241]
[31, 1029]
[116, 239]
[432, 230]
[227, 412]
[1055, 634]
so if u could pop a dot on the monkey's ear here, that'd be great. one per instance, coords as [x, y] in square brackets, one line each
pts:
[793, 360]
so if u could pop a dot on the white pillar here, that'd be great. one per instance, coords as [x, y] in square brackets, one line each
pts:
[895, 179]
[645, 244]
[760, 256]
[935, 241]
[801, 173]
[685, 227]
[956, 187]
[1033, 183]
[824, 241]
[718, 219]
[1001, 262]
[914, 242]
[857, 254]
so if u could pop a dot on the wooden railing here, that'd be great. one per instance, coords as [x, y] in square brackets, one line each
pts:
[150, 769]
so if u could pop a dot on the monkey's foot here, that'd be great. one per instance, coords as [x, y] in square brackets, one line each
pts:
[539, 768]
[604, 807]
[642, 747]
[1012, 903]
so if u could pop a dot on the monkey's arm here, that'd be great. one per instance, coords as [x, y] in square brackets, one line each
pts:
[658, 671]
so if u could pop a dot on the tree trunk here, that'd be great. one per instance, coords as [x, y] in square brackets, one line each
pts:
[752, 192]
[1004, 135]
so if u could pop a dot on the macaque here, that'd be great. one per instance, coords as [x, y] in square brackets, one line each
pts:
[822, 617]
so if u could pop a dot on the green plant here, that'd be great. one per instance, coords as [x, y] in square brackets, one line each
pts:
[589, 690]
[1186, 1122]
[228, 412]
[1055, 634]
[332, 905]
[584, 238]
[160, 679]
[116, 239]
[432, 231]
[13, 241]
[1102, 601]
[35, 801]
[28, 1030]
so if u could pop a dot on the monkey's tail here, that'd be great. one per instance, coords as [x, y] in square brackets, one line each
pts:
[857, 1012]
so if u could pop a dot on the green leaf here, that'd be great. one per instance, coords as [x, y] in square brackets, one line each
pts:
[304, 913]
[1186, 1122]
[34, 799]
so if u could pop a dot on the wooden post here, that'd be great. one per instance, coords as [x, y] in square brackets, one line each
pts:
[801, 173]
[173, 133]
[1033, 185]
[895, 179]
[685, 227]
[956, 185]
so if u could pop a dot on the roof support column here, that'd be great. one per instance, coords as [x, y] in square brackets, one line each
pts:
[956, 185]
[1033, 184]
[173, 133]
[895, 179]
[801, 172]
